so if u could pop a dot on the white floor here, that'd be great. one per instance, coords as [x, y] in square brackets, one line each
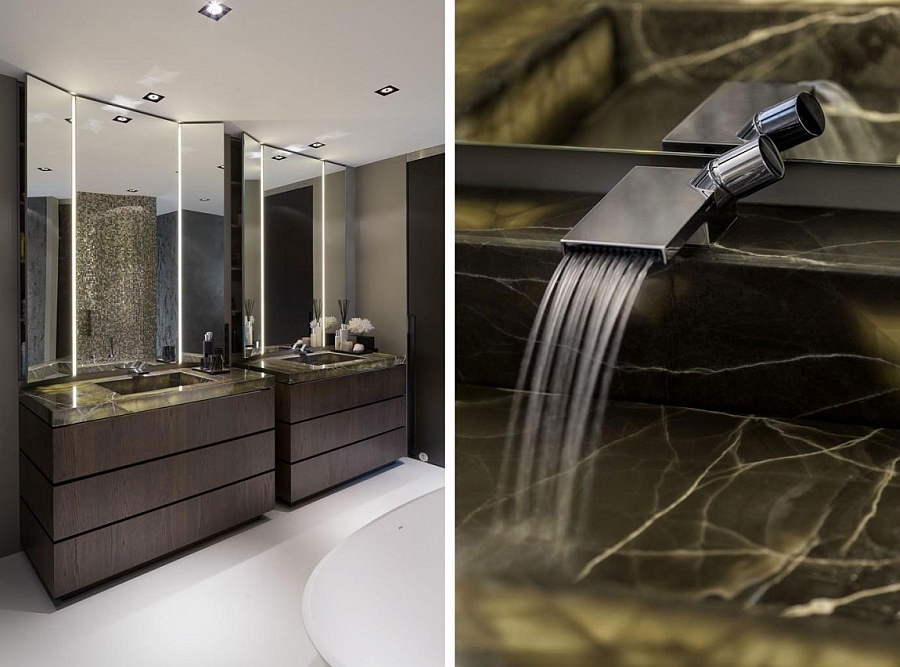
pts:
[233, 603]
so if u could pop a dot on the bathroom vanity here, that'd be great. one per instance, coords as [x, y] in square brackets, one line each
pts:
[117, 472]
[334, 421]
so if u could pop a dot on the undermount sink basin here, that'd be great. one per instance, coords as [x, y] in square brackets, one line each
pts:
[144, 383]
[324, 358]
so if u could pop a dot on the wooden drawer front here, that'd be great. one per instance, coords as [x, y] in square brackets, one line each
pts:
[299, 441]
[300, 480]
[92, 447]
[82, 561]
[96, 501]
[308, 400]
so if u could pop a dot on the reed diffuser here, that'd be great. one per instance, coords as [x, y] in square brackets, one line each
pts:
[316, 333]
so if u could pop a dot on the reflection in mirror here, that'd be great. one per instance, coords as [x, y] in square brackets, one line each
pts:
[293, 195]
[48, 344]
[253, 260]
[334, 248]
[620, 75]
[126, 209]
[202, 235]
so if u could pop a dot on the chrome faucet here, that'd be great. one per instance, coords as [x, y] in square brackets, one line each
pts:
[662, 209]
[112, 349]
[137, 368]
[301, 347]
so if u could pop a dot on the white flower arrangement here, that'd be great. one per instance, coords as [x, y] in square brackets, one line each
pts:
[328, 322]
[360, 325]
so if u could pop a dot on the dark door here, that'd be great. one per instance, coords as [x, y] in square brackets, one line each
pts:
[425, 280]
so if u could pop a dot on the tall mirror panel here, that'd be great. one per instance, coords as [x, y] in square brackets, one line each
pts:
[293, 209]
[336, 294]
[126, 219]
[202, 236]
[253, 260]
[48, 233]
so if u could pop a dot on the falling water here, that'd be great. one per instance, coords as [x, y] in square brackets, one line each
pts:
[563, 387]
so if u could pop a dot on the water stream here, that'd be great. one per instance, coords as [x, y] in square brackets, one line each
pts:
[562, 391]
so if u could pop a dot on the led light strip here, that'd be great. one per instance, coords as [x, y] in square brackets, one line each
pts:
[74, 243]
[180, 272]
[323, 251]
[262, 251]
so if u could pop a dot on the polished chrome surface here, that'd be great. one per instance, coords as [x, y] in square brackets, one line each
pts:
[788, 123]
[137, 368]
[145, 383]
[712, 127]
[653, 209]
[659, 209]
[740, 172]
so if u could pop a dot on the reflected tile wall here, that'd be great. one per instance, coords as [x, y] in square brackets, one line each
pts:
[36, 283]
[116, 276]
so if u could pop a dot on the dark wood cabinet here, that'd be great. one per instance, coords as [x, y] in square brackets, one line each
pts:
[103, 497]
[333, 430]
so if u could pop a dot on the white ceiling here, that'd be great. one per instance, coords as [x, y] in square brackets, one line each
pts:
[288, 72]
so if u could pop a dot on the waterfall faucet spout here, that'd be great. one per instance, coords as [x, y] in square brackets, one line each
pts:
[660, 209]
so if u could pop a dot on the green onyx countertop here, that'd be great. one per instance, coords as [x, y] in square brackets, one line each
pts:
[704, 538]
[276, 362]
[78, 401]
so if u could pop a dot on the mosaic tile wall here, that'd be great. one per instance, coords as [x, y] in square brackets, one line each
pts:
[116, 277]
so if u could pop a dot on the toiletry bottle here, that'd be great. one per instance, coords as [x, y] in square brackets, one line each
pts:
[207, 350]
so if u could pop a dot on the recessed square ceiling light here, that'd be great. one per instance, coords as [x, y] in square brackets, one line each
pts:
[132, 190]
[44, 169]
[279, 157]
[204, 199]
[387, 90]
[316, 144]
[122, 119]
[215, 10]
[156, 98]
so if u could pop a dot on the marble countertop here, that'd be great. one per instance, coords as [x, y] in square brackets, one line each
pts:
[78, 401]
[707, 538]
[275, 363]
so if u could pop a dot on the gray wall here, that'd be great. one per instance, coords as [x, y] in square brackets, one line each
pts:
[9, 337]
[381, 251]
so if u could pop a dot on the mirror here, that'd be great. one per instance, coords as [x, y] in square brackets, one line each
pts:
[129, 209]
[252, 248]
[621, 76]
[293, 213]
[48, 229]
[334, 249]
[126, 218]
[202, 236]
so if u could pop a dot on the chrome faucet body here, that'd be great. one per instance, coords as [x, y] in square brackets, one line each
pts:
[662, 209]
[137, 368]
